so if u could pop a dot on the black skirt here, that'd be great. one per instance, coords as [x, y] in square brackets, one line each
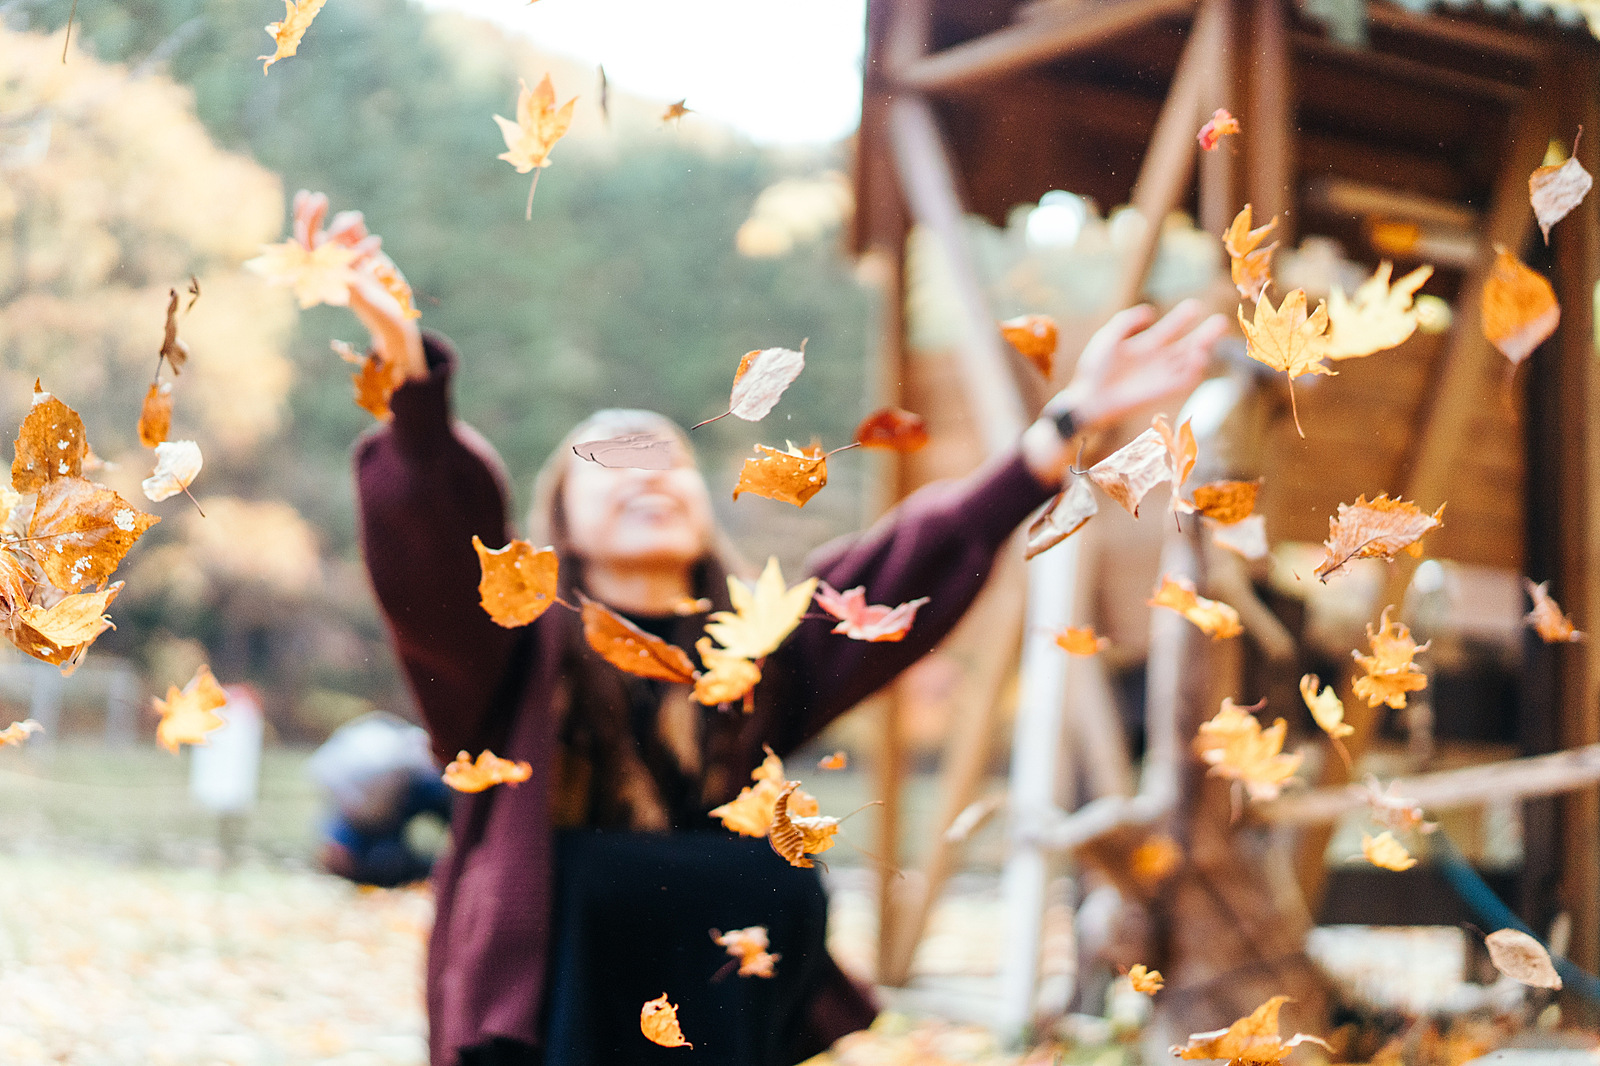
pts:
[633, 915]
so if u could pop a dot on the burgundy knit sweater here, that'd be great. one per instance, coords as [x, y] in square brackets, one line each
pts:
[427, 484]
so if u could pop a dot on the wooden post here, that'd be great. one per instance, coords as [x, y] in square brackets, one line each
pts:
[1218, 198]
[1268, 119]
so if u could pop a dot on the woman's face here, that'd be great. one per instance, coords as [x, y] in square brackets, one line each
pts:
[618, 516]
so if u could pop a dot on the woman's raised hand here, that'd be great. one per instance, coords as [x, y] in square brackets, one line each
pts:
[1131, 361]
[395, 337]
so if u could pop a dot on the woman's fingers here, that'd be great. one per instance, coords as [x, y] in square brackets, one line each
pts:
[1174, 324]
[1128, 322]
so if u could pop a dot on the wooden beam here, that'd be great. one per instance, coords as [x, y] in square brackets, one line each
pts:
[1268, 119]
[1168, 167]
[1469, 786]
[1390, 67]
[1033, 41]
[1473, 35]
[929, 183]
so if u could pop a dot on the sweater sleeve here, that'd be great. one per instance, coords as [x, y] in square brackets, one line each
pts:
[940, 542]
[426, 484]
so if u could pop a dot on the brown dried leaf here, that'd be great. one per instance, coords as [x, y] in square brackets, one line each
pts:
[1226, 502]
[1519, 308]
[81, 531]
[1063, 516]
[630, 451]
[658, 1021]
[893, 429]
[173, 350]
[155, 417]
[1391, 673]
[627, 647]
[1250, 1041]
[761, 380]
[1546, 618]
[1378, 529]
[1252, 264]
[50, 444]
[465, 775]
[1555, 190]
[518, 581]
[796, 836]
[1131, 471]
[1522, 958]
[1212, 616]
[791, 476]
[1036, 338]
[74, 620]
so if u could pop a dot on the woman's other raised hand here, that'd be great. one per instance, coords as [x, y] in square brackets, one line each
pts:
[1130, 362]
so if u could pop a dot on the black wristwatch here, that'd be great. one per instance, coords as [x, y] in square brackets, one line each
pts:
[1066, 424]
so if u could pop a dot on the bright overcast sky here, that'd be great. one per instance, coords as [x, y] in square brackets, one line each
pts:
[781, 71]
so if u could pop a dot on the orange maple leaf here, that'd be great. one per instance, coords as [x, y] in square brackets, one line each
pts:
[796, 836]
[629, 648]
[1286, 338]
[1212, 616]
[1546, 618]
[837, 761]
[188, 716]
[1250, 1041]
[860, 621]
[676, 111]
[728, 676]
[80, 531]
[749, 946]
[894, 430]
[658, 1021]
[465, 775]
[374, 381]
[1226, 502]
[1081, 640]
[1375, 530]
[1146, 981]
[1251, 264]
[517, 582]
[1236, 747]
[286, 35]
[1391, 673]
[1220, 125]
[1035, 337]
[1519, 308]
[791, 476]
[750, 813]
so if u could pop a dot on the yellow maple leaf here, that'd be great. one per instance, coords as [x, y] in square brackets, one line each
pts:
[1386, 852]
[1213, 617]
[1143, 980]
[1250, 1041]
[187, 716]
[727, 677]
[540, 124]
[286, 34]
[1378, 317]
[1235, 746]
[320, 275]
[763, 614]
[750, 814]
[1286, 338]
[1251, 264]
[1391, 673]
[1325, 707]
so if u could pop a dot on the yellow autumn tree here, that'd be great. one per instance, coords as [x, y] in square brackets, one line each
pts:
[111, 192]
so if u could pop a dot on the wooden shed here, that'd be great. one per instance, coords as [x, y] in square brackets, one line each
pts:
[1408, 134]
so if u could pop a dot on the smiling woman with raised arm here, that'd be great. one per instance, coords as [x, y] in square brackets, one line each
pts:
[566, 902]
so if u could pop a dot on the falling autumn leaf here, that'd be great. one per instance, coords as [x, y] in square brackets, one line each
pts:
[1378, 317]
[1081, 640]
[1251, 263]
[1154, 860]
[750, 813]
[894, 430]
[860, 621]
[1546, 618]
[1250, 1041]
[763, 614]
[374, 381]
[321, 265]
[1235, 746]
[1220, 125]
[1035, 337]
[1522, 958]
[1375, 530]
[1390, 671]
[51, 444]
[1287, 339]
[687, 606]
[17, 733]
[80, 531]
[749, 946]
[676, 111]
[1149, 982]
[1213, 617]
[189, 715]
[795, 836]
[760, 381]
[1555, 189]
[518, 581]
[631, 451]
[1226, 502]
[1325, 706]
[320, 275]
[629, 648]
[1154, 456]
[178, 463]
[155, 417]
[1519, 308]
[1389, 808]
[1385, 852]
[1064, 515]
[791, 476]
[73, 620]
[286, 34]
[727, 677]
[465, 775]
[837, 761]
[540, 124]
[658, 1021]
[173, 350]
